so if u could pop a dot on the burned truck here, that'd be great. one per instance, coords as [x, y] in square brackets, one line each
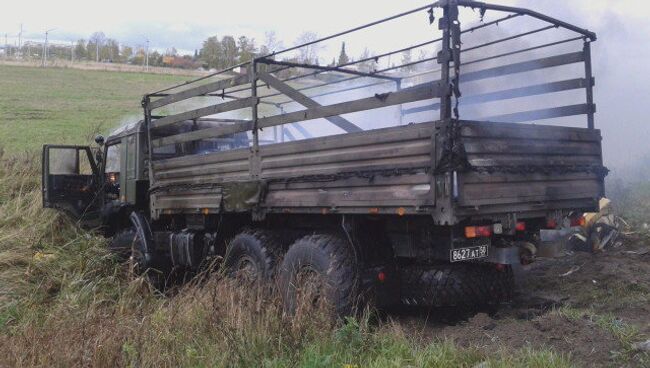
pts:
[419, 182]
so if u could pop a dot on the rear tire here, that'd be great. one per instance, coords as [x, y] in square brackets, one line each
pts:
[252, 255]
[459, 284]
[328, 257]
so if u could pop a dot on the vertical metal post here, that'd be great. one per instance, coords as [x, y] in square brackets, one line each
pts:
[398, 87]
[147, 123]
[589, 89]
[282, 125]
[20, 42]
[146, 57]
[444, 56]
[254, 169]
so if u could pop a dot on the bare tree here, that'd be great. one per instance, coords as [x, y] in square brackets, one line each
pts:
[308, 54]
[271, 43]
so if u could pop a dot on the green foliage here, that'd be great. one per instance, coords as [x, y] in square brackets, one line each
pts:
[211, 52]
[343, 56]
[224, 53]
[80, 51]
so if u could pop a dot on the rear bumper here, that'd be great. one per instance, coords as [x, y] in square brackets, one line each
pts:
[552, 244]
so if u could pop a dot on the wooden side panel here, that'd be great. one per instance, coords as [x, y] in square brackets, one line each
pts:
[383, 168]
[529, 166]
[203, 169]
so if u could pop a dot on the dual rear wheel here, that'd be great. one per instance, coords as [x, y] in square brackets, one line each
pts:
[315, 268]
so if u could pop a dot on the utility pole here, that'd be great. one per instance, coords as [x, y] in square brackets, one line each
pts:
[72, 51]
[45, 47]
[97, 50]
[6, 47]
[20, 45]
[146, 57]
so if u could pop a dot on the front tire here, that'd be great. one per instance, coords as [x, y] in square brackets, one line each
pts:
[252, 255]
[121, 243]
[155, 268]
[328, 257]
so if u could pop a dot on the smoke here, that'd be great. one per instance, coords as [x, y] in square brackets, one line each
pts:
[354, 89]
[125, 123]
[620, 64]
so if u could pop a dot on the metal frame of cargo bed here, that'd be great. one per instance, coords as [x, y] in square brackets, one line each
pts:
[264, 73]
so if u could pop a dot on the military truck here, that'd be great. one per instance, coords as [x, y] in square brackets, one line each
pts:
[422, 183]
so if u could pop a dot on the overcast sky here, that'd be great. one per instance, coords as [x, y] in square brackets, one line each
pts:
[186, 23]
[621, 55]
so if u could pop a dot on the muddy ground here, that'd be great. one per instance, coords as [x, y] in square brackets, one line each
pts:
[593, 307]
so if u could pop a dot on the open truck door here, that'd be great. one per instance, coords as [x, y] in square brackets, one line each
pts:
[71, 182]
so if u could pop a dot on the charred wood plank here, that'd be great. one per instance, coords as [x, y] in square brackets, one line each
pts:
[327, 68]
[525, 66]
[411, 94]
[202, 134]
[541, 114]
[489, 145]
[307, 102]
[534, 90]
[200, 91]
[342, 141]
[482, 129]
[204, 111]
[531, 161]
[349, 154]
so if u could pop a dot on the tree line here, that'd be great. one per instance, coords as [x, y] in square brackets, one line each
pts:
[215, 52]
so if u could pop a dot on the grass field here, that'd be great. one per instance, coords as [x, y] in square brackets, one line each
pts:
[64, 301]
[55, 105]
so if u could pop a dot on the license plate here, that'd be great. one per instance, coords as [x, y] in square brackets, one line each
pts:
[464, 254]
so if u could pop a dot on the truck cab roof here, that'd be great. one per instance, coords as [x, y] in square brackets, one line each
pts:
[124, 130]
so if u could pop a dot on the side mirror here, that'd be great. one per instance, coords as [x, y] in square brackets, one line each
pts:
[99, 139]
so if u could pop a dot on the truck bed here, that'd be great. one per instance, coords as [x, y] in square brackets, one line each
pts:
[512, 168]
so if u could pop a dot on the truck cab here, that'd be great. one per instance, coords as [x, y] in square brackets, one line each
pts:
[99, 186]
[93, 184]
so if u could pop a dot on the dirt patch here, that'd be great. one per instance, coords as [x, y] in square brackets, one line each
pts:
[588, 306]
[585, 341]
[615, 282]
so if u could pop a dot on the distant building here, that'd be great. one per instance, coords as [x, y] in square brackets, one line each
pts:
[183, 62]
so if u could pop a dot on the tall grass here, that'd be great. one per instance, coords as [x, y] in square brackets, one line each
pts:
[65, 301]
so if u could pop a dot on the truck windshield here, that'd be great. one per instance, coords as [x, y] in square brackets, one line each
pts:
[112, 158]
